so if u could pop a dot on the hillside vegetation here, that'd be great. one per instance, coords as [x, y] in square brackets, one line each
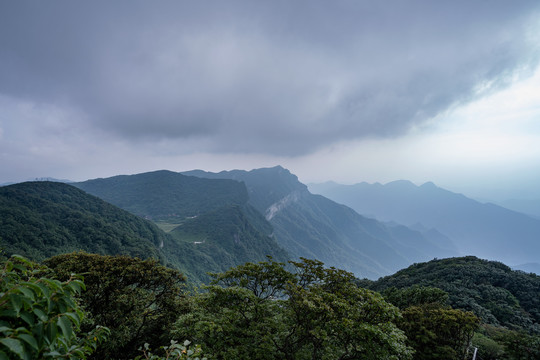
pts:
[42, 219]
[166, 195]
[313, 312]
[220, 239]
[492, 290]
[507, 302]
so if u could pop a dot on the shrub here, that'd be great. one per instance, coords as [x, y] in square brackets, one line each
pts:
[40, 317]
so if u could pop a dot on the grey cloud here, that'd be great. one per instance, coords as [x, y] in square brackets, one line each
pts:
[276, 77]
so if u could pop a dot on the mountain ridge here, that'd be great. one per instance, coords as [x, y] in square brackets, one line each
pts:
[483, 229]
[42, 219]
[310, 225]
[200, 205]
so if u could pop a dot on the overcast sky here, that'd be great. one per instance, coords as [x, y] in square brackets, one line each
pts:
[351, 91]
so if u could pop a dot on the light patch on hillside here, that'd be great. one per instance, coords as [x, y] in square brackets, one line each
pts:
[281, 204]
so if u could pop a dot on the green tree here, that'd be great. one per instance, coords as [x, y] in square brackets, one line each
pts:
[415, 296]
[433, 329]
[268, 311]
[139, 300]
[488, 348]
[40, 317]
[438, 333]
[518, 345]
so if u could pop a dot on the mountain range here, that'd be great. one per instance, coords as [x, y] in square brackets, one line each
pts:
[314, 226]
[526, 206]
[42, 219]
[201, 222]
[205, 222]
[481, 229]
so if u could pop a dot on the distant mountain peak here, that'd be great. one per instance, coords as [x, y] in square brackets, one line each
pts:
[401, 184]
[428, 184]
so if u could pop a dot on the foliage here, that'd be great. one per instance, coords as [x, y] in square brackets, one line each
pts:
[506, 302]
[519, 345]
[224, 238]
[173, 351]
[495, 293]
[138, 300]
[487, 348]
[433, 329]
[42, 219]
[266, 311]
[166, 194]
[498, 343]
[416, 296]
[438, 333]
[40, 317]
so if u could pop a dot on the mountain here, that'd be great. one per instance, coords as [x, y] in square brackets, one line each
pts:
[313, 226]
[485, 230]
[490, 289]
[166, 195]
[221, 239]
[210, 220]
[42, 219]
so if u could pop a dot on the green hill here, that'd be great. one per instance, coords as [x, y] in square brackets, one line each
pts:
[42, 219]
[209, 219]
[221, 239]
[166, 195]
[493, 291]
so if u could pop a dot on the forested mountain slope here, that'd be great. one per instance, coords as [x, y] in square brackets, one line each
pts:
[166, 195]
[42, 219]
[209, 217]
[493, 291]
[313, 226]
[221, 239]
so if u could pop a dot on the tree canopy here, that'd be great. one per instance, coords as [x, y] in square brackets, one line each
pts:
[138, 300]
[269, 310]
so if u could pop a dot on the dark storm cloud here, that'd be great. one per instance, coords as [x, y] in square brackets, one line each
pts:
[276, 77]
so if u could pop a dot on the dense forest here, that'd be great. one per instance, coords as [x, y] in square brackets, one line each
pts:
[162, 195]
[127, 308]
[507, 302]
[42, 219]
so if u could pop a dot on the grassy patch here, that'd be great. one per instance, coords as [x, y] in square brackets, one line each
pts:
[167, 226]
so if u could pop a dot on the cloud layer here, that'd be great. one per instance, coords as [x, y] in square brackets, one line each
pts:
[278, 77]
